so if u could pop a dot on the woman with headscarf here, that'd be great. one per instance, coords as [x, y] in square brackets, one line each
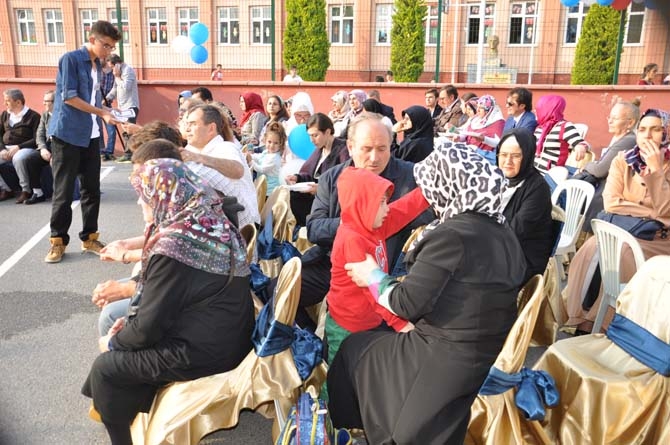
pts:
[417, 127]
[460, 292]
[637, 185]
[338, 112]
[556, 137]
[191, 315]
[253, 118]
[527, 199]
[373, 106]
[301, 110]
[486, 127]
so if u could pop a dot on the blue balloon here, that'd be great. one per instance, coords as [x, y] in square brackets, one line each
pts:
[605, 2]
[198, 33]
[199, 54]
[300, 143]
[570, 3]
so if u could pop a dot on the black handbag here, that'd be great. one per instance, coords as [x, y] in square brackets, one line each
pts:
[643, 228]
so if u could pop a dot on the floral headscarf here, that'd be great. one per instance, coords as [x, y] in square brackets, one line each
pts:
[189, 224]
[549, 111]
[493, 113]
[633, 157]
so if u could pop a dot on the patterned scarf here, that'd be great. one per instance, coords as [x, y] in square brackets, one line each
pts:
[493, 113]
[633, 157]
[455, 180]
[189, 224]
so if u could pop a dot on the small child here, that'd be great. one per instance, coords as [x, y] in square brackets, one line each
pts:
[366, 221]
[268, 162]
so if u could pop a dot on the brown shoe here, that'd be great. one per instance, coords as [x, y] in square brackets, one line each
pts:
[23, 197]
[56, 251]
[92, 244]
[6, 194]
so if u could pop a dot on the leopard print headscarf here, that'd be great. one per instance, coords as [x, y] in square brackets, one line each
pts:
[454, 179]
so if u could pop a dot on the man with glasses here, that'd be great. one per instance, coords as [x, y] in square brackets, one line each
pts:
[75, 139]
[519, 105]
[452, 114]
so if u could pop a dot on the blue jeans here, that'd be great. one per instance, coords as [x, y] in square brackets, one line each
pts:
[108, 149]
[110, 313]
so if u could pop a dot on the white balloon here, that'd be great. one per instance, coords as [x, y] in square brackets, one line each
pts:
[182, 45]
[589, 2]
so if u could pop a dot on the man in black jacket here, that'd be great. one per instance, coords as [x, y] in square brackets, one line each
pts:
[369, 143]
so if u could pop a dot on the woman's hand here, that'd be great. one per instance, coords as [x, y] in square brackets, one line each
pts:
[652, 155]
[312, 189]
[111, 290]
[103, 343]
[408, 327]
[113, 251]
[361, 271]
[45, 154]
[580, 151]
[291, 179]
[119, 323]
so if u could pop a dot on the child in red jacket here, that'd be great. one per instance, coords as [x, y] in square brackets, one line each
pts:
[367, 220]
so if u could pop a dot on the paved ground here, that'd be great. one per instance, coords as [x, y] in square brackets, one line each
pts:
[48, 324]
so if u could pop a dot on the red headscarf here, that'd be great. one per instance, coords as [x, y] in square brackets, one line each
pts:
[253, 103]
[549, 110]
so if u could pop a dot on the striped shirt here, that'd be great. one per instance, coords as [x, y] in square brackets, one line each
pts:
[551, 155]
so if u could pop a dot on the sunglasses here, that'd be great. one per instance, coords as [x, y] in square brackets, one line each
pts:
[509, 104]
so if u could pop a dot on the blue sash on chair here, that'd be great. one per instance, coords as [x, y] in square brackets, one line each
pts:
[640, 343]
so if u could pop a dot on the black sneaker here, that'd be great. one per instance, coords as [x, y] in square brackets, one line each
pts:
[107, 157]
[124, 159]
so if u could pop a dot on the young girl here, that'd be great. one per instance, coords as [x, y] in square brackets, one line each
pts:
[268, 162]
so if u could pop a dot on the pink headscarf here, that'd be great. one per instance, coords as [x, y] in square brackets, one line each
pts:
[549, 110]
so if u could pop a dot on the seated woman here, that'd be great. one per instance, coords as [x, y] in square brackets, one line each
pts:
[276, 113]
[329, 152]
[460, 293]
[253, 118]
[621, 123]
[301, 110]
[486, 126]
[637, 185]
[417, 127]
[339, 111]
[556, 137]
[373, 106]
[469, 109]
[191, 315]
[527, 200]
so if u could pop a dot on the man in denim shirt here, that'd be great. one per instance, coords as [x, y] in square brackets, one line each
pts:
[75, 139]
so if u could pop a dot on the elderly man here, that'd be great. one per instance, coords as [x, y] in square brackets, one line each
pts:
[18, 128]
[452, 114]
[519, 105]
[369, 144]
[218, 161]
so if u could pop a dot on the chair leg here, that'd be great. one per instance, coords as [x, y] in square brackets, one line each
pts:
[606, 302]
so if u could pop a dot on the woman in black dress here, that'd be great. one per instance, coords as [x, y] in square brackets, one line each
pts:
[460, 292]
[191, 315]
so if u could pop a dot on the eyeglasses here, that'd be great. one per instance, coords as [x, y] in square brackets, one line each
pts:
[107, 46]
[615, 118]
[515, 157]
[47, 101]
[509, 104]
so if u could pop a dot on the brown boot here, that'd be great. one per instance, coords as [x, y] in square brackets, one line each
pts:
[92, 244]
[56, 251]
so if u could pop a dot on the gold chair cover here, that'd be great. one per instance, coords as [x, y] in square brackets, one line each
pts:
[250, 234]
[281, 193]
[607, 396]
[261, 184]
[184, 412]
[495, 419]
[302, 243]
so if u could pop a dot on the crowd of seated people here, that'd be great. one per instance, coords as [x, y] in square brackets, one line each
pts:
[361, 188]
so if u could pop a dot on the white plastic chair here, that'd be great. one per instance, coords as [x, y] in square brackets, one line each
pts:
[610, 240]
[582, 129]
[578, 199]
[558, 173]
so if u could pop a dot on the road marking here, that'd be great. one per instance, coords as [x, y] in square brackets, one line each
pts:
[32, 242]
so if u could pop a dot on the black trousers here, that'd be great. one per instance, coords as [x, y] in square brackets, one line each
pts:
[315, 284]
[35, 164]
[68, 163]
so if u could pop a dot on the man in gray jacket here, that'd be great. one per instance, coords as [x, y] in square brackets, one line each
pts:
[125, 92]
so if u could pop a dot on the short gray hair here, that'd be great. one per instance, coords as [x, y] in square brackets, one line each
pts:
[366, 117]
[15, 94]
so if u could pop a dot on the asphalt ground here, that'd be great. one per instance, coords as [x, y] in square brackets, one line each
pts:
[48, 333]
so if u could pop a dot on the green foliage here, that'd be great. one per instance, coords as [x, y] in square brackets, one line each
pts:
[407, 40]
[306, 42]
[596, 50]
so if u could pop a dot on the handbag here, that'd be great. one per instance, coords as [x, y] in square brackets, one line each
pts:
[643, 228]
[308, 423]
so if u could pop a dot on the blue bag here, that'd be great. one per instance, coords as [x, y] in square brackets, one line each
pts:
[308, 423]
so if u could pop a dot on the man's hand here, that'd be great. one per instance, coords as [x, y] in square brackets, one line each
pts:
[189, 156]
[45, 154]
[113, 251]
[111, 290]
[8, 153]
[108, 118]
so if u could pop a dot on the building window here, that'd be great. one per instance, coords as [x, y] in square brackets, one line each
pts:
[431, 25]
[575, 16]
[635, 22]
[157, 21]
[125, 33]
[384, 24]
[261, 25]
[53, 20]
[26, 28]
[229, 26]
[522, 23]
[88, 18]
[187, 18]
[475, 17]
[342, 24]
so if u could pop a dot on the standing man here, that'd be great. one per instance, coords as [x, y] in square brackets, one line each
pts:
[106, 86]
[18, 128]
[431, 103]
[125, 92]
[452, 114]
[75, 139]
[519, 105]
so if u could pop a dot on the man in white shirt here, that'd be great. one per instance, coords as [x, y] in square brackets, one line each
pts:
[217, 161]
[293, 75]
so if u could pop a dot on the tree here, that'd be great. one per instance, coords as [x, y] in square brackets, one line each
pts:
[596, 50]
[306, 38]
[408, 40]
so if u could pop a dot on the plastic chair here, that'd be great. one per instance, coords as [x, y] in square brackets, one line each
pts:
[610, 240]
[558, 174]
[495, 419]
[607, 395]
[261, 185]
[578, 199]
[184, 412]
